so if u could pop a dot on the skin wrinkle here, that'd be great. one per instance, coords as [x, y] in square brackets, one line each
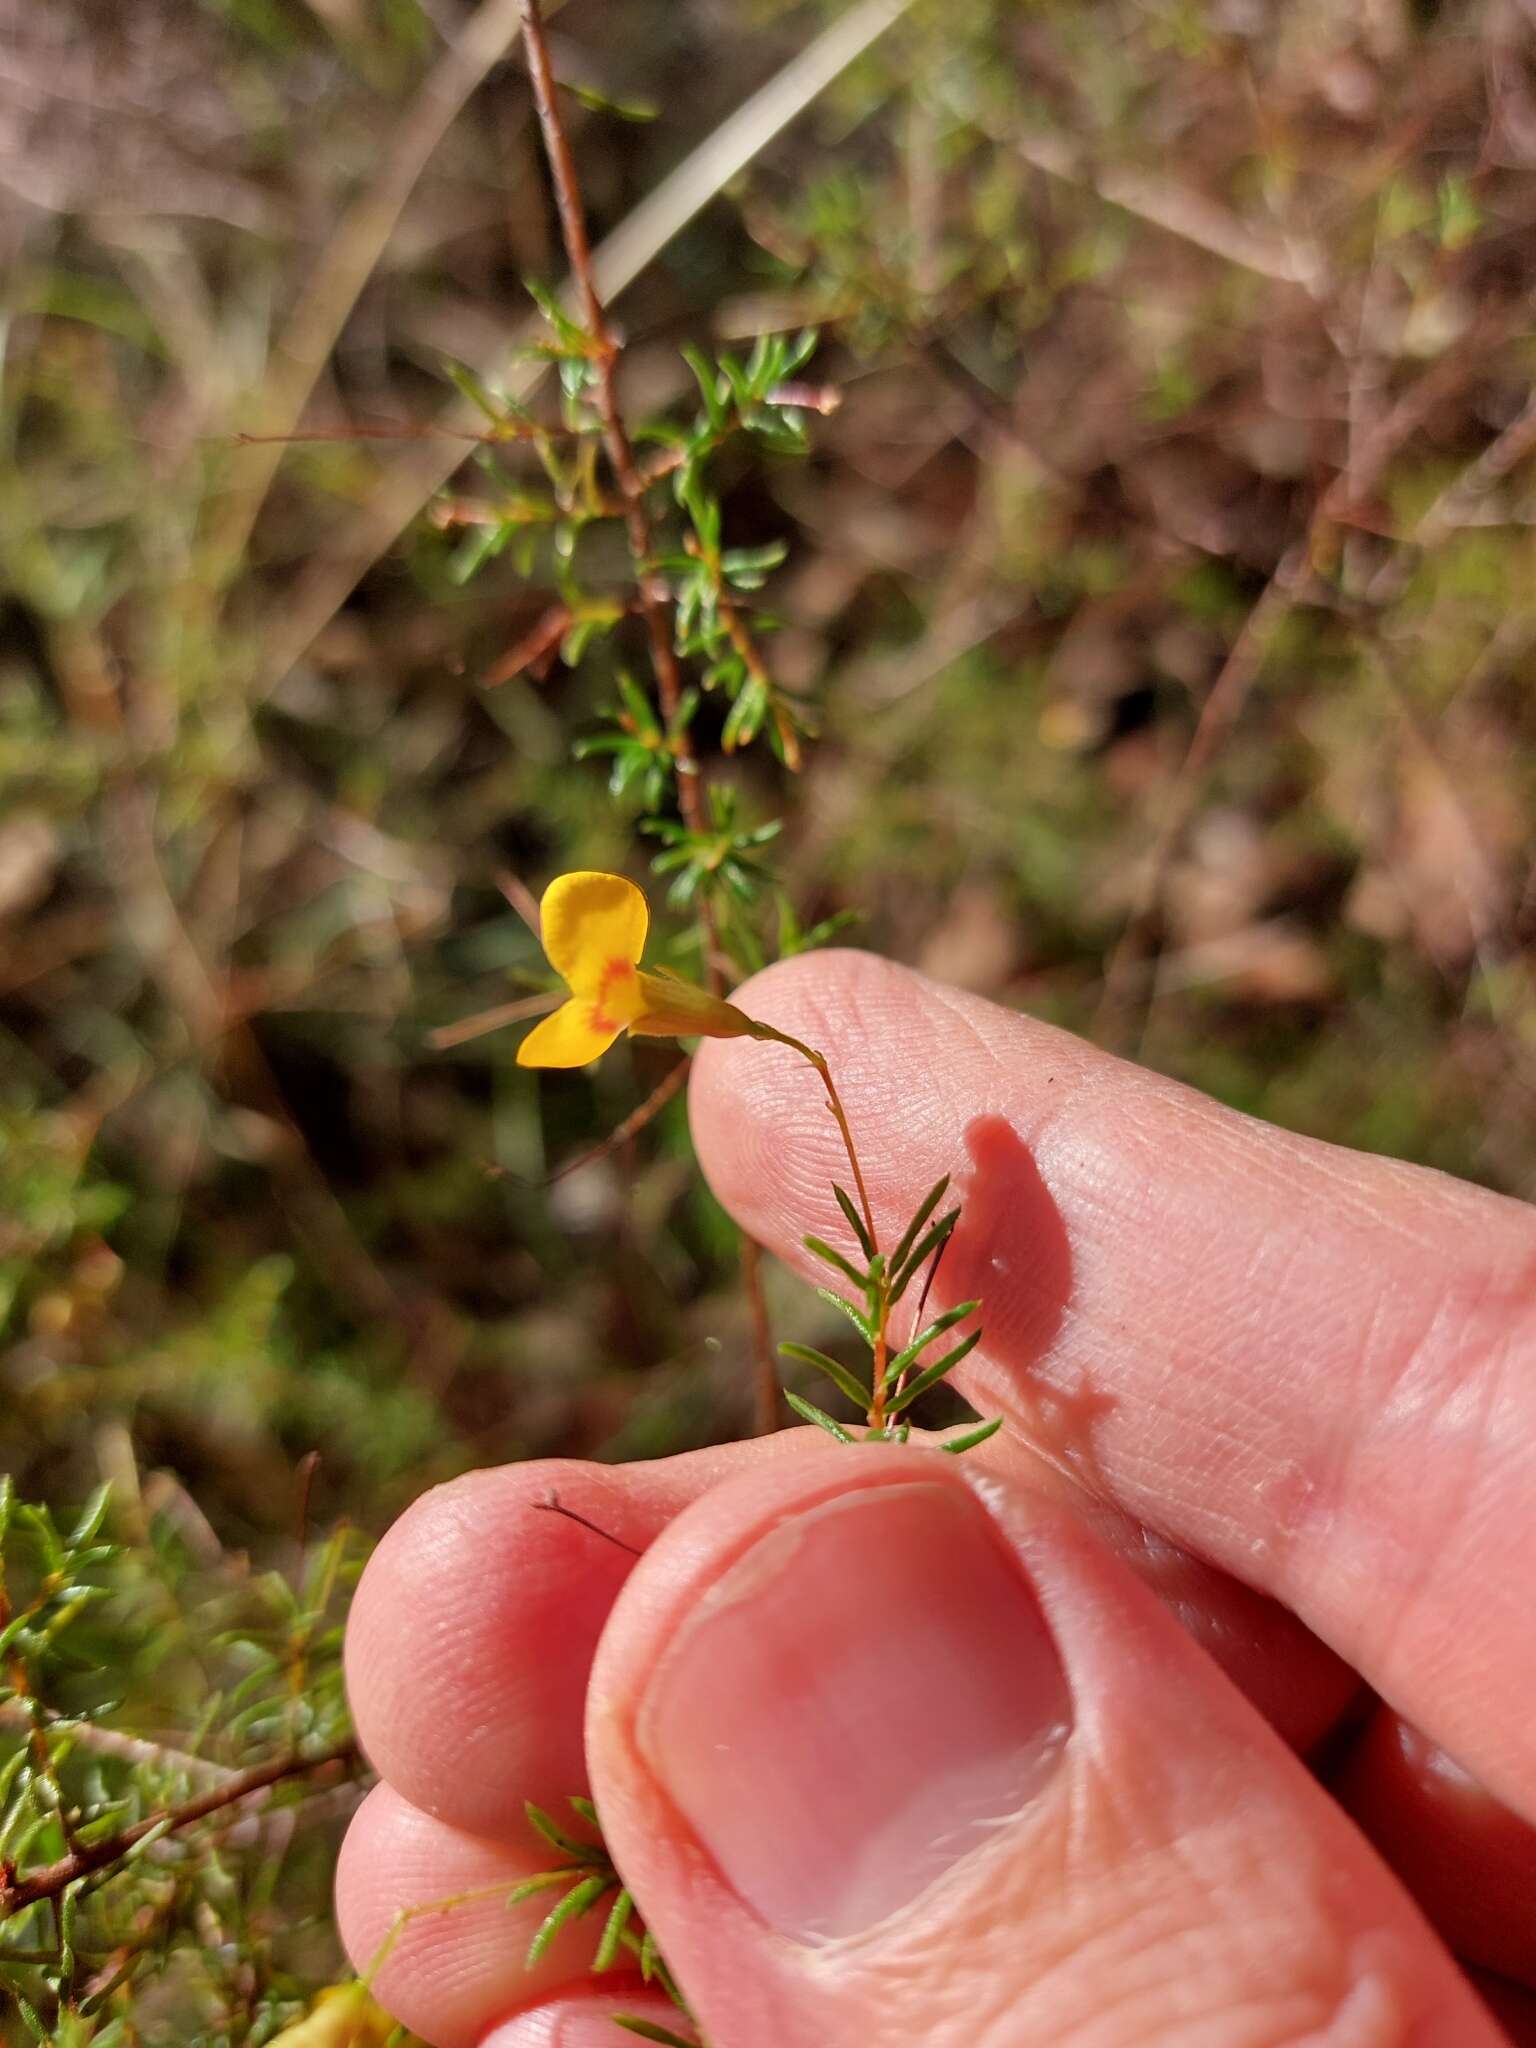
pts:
[1132, 1976]
[1472, 1442]
[1228, 1861]
[1450, 1409]
[1327, 1490]
[1238, 1434]
[1216, 2040]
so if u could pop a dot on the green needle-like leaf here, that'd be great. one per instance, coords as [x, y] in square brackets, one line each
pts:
[856, 1221]
[932, 1244]
[905, 1360]
[545, 1881]
[956, 1444]
[819, 1248]
[613, 1932]
[809, 1412]
[581, 1898]
[856, 1316]
[839, 1375]
[556, 1836]
[649, 2031]
[931, 1375]
[909, 1236]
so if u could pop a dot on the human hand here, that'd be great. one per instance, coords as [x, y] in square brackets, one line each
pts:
[896, 1748]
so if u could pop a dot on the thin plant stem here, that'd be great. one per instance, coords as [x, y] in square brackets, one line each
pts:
[605, 358]
[650, 588]
[765, 1379]
[834, 1102]
[882, 1342]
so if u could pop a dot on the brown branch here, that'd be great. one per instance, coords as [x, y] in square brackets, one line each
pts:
[1218, 715]
[652, 591]
[540, 641]
[752, 660]
[605, 357]
[510, 429]
[1459, 500]
[632, 1125]
[767, 1415]
[518, 1012]
[17, 1893]
[302, 610]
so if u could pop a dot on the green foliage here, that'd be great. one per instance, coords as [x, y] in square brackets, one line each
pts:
[894, 1379]
[587, 1879]
[259, 1242]
[109, 1881]
[644, 750]
[722, 860]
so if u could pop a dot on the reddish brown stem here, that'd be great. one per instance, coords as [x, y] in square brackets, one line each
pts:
[17, 1893]
[765, 1402]
[621, 455]
[652, 592]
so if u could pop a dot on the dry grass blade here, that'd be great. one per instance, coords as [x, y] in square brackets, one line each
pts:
[344, 267]
[483, 1021]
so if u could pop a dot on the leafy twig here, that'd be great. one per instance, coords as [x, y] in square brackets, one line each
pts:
[605, 357]
[649, 586]
[17, 1893]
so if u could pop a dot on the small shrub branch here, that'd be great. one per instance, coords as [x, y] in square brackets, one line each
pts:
[17, 1893]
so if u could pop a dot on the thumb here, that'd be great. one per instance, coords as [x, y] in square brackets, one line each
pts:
[892, 1754]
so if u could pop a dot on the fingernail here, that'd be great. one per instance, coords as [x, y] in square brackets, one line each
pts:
[856, 1705]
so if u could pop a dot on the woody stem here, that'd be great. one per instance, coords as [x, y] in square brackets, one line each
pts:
[650, 588]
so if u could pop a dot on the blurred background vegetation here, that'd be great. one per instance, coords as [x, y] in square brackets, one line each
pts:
[1161, 586]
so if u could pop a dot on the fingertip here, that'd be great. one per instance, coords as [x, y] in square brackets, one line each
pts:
[1290, 1359]
[444, 1973]
[742, 1094]
[1465, 1856]
[471, 1636]
[426, 1914]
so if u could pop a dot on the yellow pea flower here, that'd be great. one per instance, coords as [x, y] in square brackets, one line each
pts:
[594, 927]
[342, 2017]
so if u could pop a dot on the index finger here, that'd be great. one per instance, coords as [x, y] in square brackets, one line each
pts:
[1313, 1367]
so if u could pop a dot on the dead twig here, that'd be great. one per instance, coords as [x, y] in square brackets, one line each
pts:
[22, 1715]
[1457, 502]
[1218, 715]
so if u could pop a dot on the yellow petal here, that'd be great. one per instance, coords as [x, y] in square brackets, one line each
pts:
[575, 1034]
[587, 922]
[342, 2017]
